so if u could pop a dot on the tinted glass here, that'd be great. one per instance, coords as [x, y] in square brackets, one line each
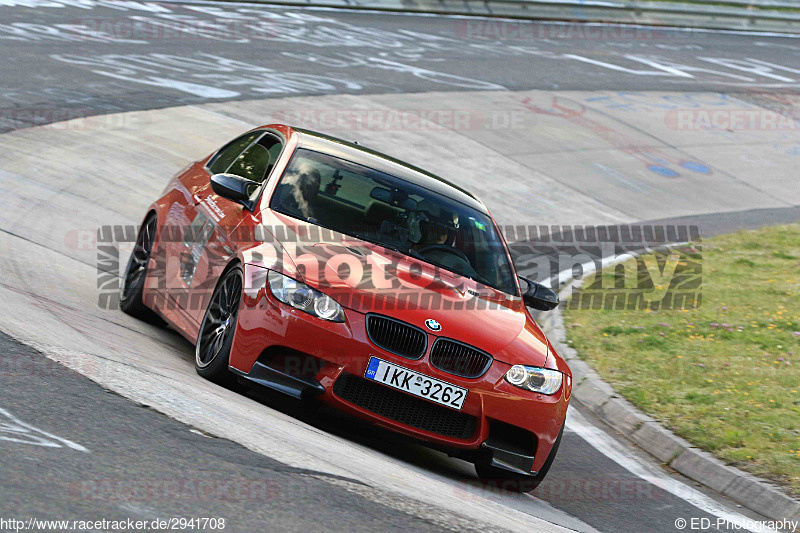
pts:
[256, 162]
[227, 154]
[380, 208]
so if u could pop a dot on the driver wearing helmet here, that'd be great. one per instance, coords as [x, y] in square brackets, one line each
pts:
[430, 225]
[432, 230]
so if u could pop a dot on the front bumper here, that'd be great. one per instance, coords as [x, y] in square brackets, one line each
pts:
[509, 427]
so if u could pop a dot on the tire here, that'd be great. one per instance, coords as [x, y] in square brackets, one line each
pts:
[214, 341]
[130, 297]
[515, 483]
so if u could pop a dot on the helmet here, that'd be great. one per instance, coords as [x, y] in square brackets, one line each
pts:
[428, 220]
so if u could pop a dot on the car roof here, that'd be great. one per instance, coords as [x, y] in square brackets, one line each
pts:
[355, 153]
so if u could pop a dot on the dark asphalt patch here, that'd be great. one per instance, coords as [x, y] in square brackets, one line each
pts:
[144, 465]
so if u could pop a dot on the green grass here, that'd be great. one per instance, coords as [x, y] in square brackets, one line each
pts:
[726, 375]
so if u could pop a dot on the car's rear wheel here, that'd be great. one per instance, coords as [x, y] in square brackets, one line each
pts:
[215, 339]
[514, 483]
[130, 298]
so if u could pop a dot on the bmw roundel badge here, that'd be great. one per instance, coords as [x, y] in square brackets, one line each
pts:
[433, 325]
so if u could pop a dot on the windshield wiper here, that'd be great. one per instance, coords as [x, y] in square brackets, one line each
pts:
[415, 254]
[404, 251]
[394, 248]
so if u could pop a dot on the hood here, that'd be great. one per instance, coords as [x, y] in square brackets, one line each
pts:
[369, 278]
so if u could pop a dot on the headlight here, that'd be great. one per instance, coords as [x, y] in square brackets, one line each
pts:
[302, 297]
[541, 380]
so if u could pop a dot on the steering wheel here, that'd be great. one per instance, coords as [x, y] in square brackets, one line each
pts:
[445, 248]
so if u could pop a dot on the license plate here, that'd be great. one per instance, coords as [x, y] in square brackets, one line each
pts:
[403, 379]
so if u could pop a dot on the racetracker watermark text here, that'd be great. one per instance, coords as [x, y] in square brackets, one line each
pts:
[563, 490]
[104, 524]
[524, 30]
[404, 119]
[732, 120]
[65, 119]
[188, 490]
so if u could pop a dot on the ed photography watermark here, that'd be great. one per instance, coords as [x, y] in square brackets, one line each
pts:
[633, 267]
[743, 524]
[602, 267]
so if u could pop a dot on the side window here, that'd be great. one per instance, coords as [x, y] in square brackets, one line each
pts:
[223, 159]
[257, 161]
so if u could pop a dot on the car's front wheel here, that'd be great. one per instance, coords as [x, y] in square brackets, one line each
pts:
[215, 339]
[130, 298]
[514, 483]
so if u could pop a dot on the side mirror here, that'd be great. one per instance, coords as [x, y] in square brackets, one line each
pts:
[234, 188]
[538, 296]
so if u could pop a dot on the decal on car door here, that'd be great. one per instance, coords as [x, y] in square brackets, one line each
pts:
[195, 240]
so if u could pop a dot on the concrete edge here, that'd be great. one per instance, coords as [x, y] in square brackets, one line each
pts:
[667, 15]
[591, 392]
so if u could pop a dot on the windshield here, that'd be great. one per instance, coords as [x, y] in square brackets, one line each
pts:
[386, 210]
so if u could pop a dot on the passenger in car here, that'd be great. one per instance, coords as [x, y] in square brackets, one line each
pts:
[299, 189]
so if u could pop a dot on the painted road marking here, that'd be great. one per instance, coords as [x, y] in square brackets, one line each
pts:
[610, 448]
[12, 429]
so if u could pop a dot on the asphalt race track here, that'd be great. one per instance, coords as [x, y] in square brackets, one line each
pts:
[100, 59]
[102, 416]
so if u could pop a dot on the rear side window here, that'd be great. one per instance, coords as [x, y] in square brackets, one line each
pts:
[228, 153]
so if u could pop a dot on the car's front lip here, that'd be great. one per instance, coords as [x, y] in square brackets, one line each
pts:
[346, 349]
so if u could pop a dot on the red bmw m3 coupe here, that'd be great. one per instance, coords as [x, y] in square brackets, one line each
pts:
[319, 268]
